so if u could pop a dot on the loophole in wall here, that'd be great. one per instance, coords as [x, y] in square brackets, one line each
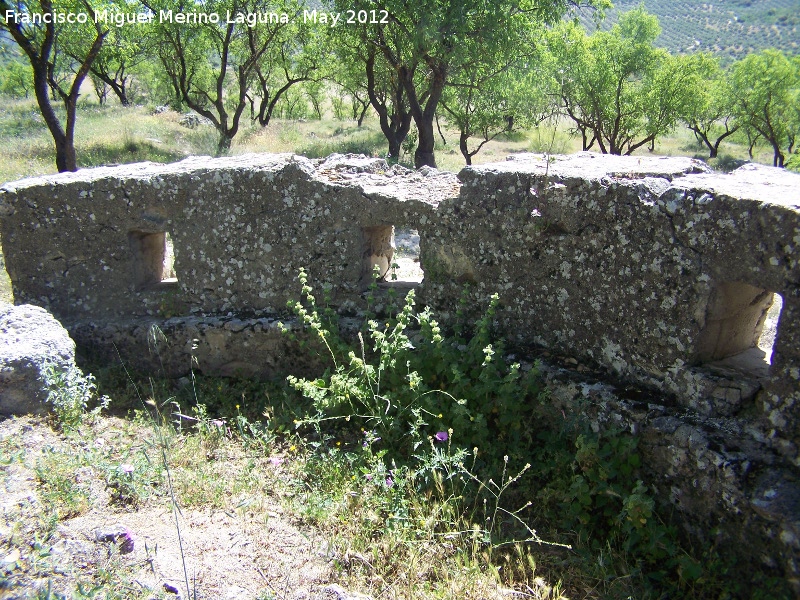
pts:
[740, 327]
[153, 258]
[395, 252]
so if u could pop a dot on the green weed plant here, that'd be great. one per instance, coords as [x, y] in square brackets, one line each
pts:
[70, 394]
[417, 424]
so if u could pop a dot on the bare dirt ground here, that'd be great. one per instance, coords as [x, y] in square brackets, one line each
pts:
[254, 550]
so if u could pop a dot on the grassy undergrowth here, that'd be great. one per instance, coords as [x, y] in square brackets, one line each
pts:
[433, 466]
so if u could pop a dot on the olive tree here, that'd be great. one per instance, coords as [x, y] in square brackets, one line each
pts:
[619, 90]
[216, 66]
[766, 92]
[709, 112]
[126, 47]
[487, 101]
[296, 57]
[364, 72]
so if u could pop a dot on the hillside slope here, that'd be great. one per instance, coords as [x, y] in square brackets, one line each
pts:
[731, 28]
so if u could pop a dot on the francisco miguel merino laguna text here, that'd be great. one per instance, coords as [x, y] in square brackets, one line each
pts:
[120, 19]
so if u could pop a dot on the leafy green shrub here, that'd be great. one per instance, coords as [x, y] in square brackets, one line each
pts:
[356, 142]
[426, 403]
[407, 382]
[793, 162]
[726, 163]
[70, 393]
[131, 483]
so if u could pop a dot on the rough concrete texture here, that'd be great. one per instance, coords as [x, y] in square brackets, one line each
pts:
[738, 493]
[646, 266]
[29, 338]
[227, 346]
[653, 271]
[89, 244]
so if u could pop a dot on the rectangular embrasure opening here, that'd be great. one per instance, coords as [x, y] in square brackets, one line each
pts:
[766, 342]
[394, 254]
[740, 329]
[153, 258]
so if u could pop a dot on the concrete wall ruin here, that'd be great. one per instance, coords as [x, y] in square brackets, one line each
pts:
[649, 270]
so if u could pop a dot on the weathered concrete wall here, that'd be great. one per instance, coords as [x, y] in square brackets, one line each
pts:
[87, 244]
[645, 266]
[645, 270]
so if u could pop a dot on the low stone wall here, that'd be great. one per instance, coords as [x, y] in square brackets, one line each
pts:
[653, 273]
[647, 266]
[92, 244]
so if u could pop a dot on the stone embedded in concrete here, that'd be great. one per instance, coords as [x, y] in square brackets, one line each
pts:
[646, 266]
[711, 469]
[30, 338]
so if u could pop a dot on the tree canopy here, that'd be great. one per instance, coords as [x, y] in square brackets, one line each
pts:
[766, 97]
[484, 67]
[709, 111]
[427, 43]
[617, 87]
[218, 67]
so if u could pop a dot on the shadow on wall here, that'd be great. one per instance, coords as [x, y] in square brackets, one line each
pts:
[153, 258]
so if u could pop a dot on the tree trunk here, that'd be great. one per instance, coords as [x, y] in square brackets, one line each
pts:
[439, 129]
[778, 159]
[66, 159]
[224, 144]
[424, 154]
[423, 117]
[584, 139]
[395, 144]
[395, 127]
[122, 93]
[65, 149]
[363, 114]
[462, 144]
[118, 87]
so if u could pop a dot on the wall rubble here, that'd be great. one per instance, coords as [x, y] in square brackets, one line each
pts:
[652, 270]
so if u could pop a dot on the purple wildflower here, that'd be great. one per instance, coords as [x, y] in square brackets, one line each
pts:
[389, 482]
[275, 461]
[126, 468]
[441, 436]
[126, 542]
